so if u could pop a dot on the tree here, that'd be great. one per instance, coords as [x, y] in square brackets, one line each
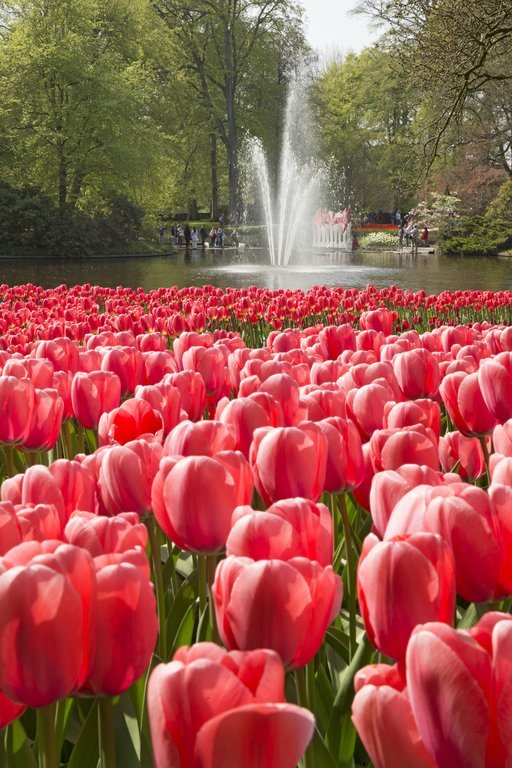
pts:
[364, 113]
[450, 50]
[219, 39]
[76, 92]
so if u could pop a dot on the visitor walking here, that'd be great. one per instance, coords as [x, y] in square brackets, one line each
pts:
[234, 238]
[204, 235]
[415, 233]
[407, 233]
[188, 235]
[213, 236]
[424, 236]
[179, 235]
[194, 237]
[161, 231]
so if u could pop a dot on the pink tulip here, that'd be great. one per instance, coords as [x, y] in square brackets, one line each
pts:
[106, 535]
[461, 454]
[417, 372]
[305, 595]
[204, 438]
[47, 601]
[93, 394]
[392, 448]
[345, 463]
[192, 391]
[289, 461]
[403, 582]
[288, 528]
[126, 475]
[17, 404]
[193, 498]
[212, 708]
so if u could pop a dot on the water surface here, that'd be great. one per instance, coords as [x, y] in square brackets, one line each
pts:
[245, 267]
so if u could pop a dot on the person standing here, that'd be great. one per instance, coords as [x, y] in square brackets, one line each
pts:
[424, 236]
[188, 235]
[400, 237]
[194, 238]
[204, 235]
[161, 231]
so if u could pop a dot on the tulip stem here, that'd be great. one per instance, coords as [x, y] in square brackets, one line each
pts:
[106, 734]
[303, 699]
[67, 439]
[211, 567]
[159, 588]
[202, 582]
[9, 457]
[46, 737]
[351, 574]
[79, 430]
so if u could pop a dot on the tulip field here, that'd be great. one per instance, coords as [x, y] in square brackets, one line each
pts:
[247, 528]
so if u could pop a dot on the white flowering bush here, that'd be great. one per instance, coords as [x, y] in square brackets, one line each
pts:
[379, 240]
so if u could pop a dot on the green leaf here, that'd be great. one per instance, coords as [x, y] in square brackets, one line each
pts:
[62, 717]
[17, 748]
[86, 750]
[126, 730]
[469, 617]
[323, 757]
[185, 634]
[324, 698]
[341, 732]
[339, 642]
[185, 598]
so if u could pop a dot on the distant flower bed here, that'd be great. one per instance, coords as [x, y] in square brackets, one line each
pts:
[379, 239]
[372, 227]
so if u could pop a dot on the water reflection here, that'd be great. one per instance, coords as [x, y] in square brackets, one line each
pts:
[245, 267]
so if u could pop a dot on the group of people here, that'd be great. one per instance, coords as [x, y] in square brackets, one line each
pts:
[192, 237]
[413, 235]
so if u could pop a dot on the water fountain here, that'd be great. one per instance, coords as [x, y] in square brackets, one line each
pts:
[299, 182]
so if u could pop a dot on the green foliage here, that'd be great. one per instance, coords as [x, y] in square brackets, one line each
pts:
[501, 206]
[479, 236]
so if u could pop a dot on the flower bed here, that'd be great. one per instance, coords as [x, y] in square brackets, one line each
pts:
[249, 528]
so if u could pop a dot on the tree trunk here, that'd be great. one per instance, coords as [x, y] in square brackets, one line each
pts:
[63, 182]
[214, 210]
[232, 132]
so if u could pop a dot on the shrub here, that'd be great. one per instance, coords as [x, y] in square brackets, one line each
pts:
[478, 236]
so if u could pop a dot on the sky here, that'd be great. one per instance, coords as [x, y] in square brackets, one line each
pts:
[330, 27]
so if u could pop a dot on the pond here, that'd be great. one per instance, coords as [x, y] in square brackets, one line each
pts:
[244, 267]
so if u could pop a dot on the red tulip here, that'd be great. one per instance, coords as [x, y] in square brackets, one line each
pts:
[194, 497]
[17, 403]
[378, 320]
[9, 710]
[334, 339]
[403, 582]
[47, 600]
[93, 394]
[289, 461]
[132, 420]
[156, 364]
[288, 528]
[125, 622]
[212, 708]
[303, 594]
